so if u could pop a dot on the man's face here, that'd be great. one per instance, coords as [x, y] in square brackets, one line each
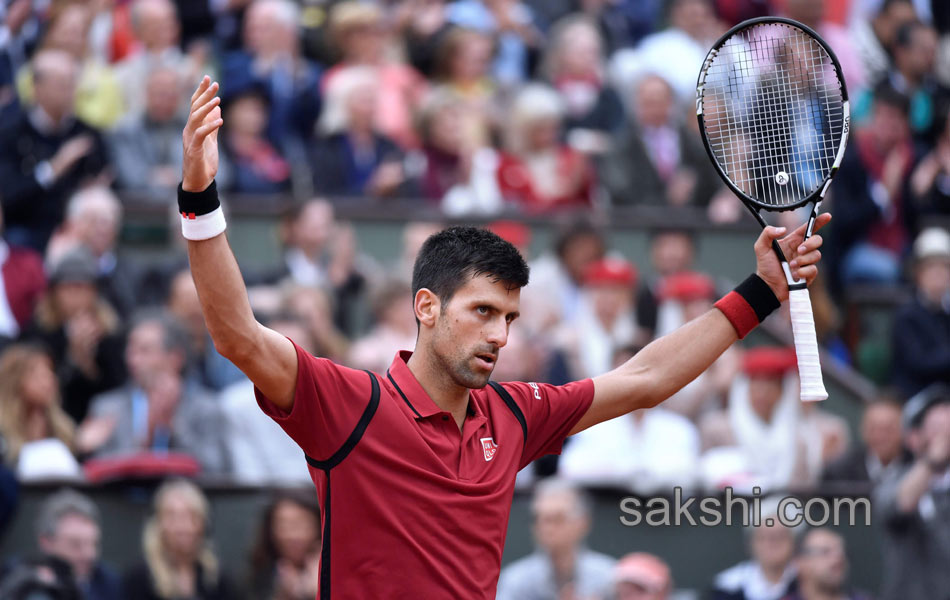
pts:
[145, 353]
[881, 431]
[823, 561]
[472, 327]
[55, 86]
[671, 253]
[558, 525]
[772, 547]
[76, 541]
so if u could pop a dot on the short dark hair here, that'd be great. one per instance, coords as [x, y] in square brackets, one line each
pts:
[450, 257]
[573, 231]
[886, 93]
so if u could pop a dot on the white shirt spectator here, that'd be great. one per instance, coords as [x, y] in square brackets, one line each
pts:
[648, 451]
[261, 453]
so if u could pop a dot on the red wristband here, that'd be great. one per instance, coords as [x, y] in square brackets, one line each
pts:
[748, 305]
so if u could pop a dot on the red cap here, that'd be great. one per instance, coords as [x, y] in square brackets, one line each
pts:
[768, 361]
[517, 234]
[610, 271]
[687, 287]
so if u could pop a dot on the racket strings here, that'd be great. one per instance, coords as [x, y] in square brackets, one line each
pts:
[773, 112]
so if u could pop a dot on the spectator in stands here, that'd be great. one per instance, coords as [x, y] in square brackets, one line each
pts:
[22, 283]
[873, 38]
[358, 31]
[680, 50]
[157, 31]
[20, 20]
[285, 560]
[671, 251]
[463, 61]
[510, 23]
[642, 576]
[146, 146]
[562, 566]
[881, 455]
[271, 60]
[657, 159]
[68, 527]
[685, 296]
[574, 66]
[81, 331]
[256, 166]
[98, 100]
[321, 252]
[211, 369]
[395, 328]
[44, 577]
[759, 440]
[813, 14]
[604, 319]
[915, 52]
[870, 233]
[554, 293]
[314, 307]
[915, 508]
[178, 559]
[921, 332]
[46, 154]
[459, 171]
[770, 572]
[37, 434]
[537, 172]
[351, 157]
[93, 221]
[822, 566]
[260, 452]
[930, 183]
[421, 25]
[159, 409]
[647, 451]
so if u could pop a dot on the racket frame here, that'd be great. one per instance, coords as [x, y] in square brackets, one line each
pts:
[796, 287]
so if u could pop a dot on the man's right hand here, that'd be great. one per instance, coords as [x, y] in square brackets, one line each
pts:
[200, 138]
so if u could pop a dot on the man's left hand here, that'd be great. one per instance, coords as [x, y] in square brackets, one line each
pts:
[803, 256]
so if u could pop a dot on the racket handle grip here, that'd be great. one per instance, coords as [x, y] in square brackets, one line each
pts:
[806, 346]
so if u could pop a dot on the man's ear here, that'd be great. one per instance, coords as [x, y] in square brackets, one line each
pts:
[427, 307]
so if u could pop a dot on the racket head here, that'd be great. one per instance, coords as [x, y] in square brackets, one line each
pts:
[773, 112]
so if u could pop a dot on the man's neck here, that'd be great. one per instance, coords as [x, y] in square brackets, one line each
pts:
[447, 395]
[563, 563]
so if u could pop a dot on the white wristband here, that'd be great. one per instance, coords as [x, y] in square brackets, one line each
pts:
[202, 227]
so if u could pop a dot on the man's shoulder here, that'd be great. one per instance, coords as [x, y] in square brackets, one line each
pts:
[733, 578]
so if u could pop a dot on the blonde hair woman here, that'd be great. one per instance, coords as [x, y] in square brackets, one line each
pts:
[30, 413]
[179, 561]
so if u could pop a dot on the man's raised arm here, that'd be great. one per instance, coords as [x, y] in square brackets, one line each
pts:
[266, 357]
[670, 362]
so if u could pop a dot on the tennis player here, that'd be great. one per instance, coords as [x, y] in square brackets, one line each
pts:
[415, 467]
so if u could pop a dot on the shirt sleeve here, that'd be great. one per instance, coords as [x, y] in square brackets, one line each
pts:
[550, 412]
[328, 402]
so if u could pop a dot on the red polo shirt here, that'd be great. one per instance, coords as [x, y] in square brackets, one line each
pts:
[412, 507]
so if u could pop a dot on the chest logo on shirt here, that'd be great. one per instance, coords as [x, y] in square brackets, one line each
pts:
[489, 447]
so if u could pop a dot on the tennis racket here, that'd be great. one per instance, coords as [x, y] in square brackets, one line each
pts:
[773, 112]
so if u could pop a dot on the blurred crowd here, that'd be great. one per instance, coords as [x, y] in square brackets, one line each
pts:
[482, 109]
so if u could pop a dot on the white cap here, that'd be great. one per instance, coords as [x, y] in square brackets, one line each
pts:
[933, 242]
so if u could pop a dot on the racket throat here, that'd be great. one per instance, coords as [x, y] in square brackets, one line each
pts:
[793, 284]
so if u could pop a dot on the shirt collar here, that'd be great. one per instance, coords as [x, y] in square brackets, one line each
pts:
[412, 393]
